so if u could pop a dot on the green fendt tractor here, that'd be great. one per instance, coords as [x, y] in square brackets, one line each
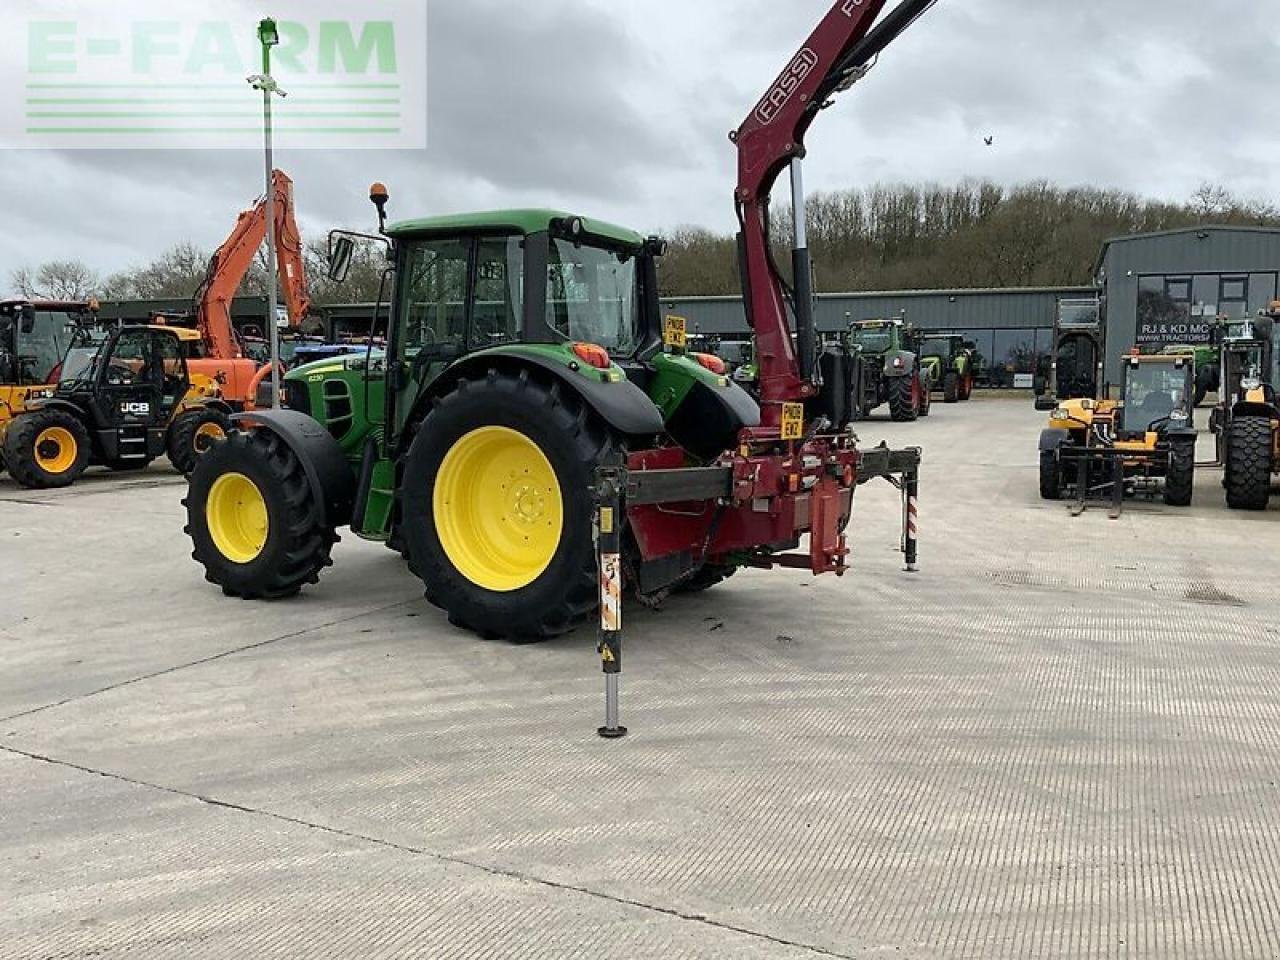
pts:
[527, 349]
[952, 364]
[891, 372]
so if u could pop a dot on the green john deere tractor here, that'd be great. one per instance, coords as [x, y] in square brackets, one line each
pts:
[952, 364]
[526, 350]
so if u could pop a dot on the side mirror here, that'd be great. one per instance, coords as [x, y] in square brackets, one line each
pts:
[341, 253]
[28, 318]
[1046, 404]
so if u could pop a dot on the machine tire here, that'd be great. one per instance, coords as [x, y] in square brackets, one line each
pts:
[926, 395]
[708, 576]
[296, 543]
[903, 406]
[192, 433]
[549, 434]
[1180, 481]
[966, 389]
[1050, 475]
[951, 387]
[36, 471]
[1248, 463]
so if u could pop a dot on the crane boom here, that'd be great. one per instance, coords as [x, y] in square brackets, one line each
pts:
[770, 140]
[232, 261]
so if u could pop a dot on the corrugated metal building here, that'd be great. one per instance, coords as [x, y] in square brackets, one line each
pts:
[1011, 327]
[1168, 288]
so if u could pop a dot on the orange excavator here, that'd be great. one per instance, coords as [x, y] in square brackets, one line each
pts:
[222, 355]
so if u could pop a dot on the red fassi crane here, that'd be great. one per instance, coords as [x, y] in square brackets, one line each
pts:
[232, 261]
[836, 56]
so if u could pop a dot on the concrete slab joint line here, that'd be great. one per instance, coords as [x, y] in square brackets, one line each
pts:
[202, 661]
[432, 855]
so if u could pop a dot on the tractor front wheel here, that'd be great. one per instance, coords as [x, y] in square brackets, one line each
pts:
[951, 387]
[1180, 481]
[1050, 475]
[1249, 446]
[192, 434]
[497, 510]
[904, 405]
[46, 449]
[253, 519]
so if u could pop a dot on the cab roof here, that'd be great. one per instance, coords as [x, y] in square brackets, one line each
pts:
[522, 221]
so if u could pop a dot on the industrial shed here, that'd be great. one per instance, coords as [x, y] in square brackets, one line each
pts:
[1012, 327]
[1167, 288]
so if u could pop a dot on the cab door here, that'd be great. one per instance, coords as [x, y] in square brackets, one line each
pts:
[131, 380]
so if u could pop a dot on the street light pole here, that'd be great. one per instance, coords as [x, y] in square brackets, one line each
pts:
[270, 37]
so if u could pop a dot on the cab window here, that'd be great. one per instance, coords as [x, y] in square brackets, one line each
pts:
[435, 296]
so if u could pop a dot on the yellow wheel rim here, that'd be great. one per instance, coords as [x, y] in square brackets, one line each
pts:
[56, 450]
[236, 515]
[206, 434]
[498, 509]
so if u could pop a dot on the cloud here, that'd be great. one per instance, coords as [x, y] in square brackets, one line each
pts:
[622, 111]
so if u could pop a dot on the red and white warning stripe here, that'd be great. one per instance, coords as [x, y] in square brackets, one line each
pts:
[913, 517]
[611, 593]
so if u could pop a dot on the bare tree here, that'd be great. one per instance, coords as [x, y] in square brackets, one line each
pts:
[57, 280]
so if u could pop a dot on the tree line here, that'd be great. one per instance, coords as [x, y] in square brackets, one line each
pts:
[972, 234]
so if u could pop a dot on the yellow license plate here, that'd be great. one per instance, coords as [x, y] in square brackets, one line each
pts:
[792, 421]
[675, 332]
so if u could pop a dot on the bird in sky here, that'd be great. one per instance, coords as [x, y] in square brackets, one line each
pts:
[989, 141]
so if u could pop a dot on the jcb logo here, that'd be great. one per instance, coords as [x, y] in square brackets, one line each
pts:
[783, 90]
[135, 409]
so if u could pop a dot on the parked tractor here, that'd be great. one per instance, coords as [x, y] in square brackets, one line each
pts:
[529, 378]
[892, 372]
[123, 399]
[1077, 368]
[951, 361]
[1143, 442]
[1246, 421]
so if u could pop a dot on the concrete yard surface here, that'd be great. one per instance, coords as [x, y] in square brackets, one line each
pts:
[1060, 739]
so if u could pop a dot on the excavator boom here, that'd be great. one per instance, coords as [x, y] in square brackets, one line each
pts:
[771, 139]
[232, 261]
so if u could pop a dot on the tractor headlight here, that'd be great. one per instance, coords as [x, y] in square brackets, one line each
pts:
[1251, 383]
[1060, 414]
[1179, 416]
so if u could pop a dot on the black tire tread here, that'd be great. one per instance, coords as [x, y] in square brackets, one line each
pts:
[20, 449]
[1180, 481]
[180, 439]
[1050, 476]
[309, 542]
[951, 387]
[1248, 463]
[902, 409]
[593, 443]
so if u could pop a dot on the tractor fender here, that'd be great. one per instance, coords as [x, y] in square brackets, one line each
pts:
[622, 405]
[1053, 439]
[53, 403]
[331, 478]
[1182, 434]
[908, 367]
[1248, 409]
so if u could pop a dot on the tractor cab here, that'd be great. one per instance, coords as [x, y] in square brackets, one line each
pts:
[1079, 342]
[1157, 394]
[34, 334]
[132, 377]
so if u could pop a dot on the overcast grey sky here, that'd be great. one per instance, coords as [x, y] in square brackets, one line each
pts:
[620, 110]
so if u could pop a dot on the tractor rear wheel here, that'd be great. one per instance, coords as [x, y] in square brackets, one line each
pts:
[951, 387]
[497, 509]
[46, 449]
[191, 435]
[253, 519]
[1248, 463]
[1050, 475]
[1180, 481]
[904, 405]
